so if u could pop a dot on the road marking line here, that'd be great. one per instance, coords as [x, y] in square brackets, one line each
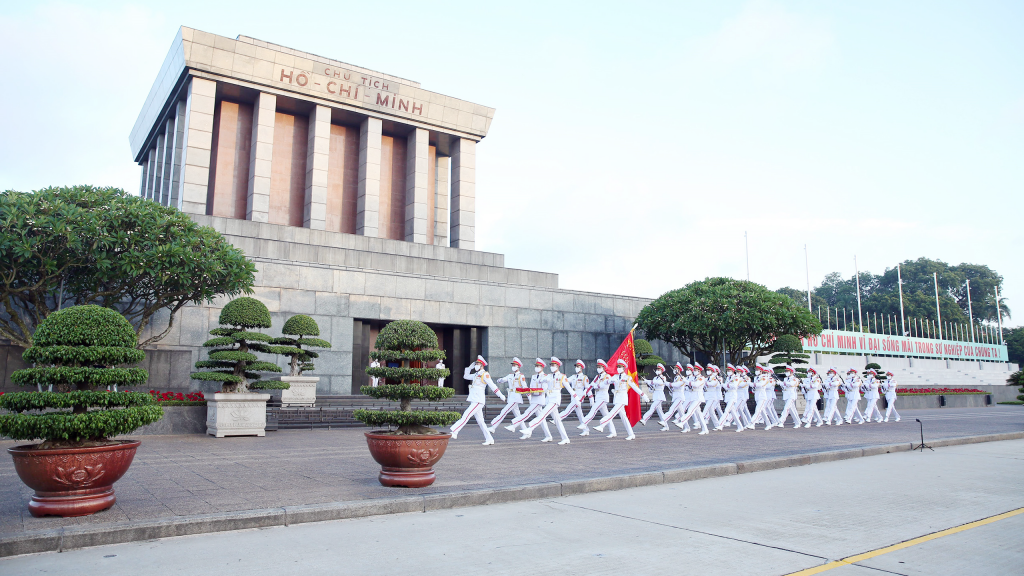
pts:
[913, 542]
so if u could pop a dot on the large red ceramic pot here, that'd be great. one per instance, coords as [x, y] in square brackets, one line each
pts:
[406, 460]
[72, 481]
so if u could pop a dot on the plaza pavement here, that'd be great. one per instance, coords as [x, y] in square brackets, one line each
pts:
[181, 477]
[784, 521]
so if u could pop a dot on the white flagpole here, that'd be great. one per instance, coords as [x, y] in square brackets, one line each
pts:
[899, 279]
[999, 316]
[970, 309]
[807, 268]
[938, 312]
[746, 248]
[860, 315]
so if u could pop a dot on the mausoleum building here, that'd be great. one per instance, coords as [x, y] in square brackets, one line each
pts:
[354, 192]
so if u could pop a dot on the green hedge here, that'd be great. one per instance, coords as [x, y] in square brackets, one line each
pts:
[270, 385]
[79, 377]
[408, 374]
[104, 355]
[93, 425]
[301, 325]
[22, 401]
[399, 391]
[88, 325]
[412, 355]
[409, 418]
[245, 312]
[406, 335]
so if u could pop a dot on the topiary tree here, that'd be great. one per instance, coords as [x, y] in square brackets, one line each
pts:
[787, 350]
[407, 341]
[77, 351]
[237, 368]
[302, 327]
[876, 367]
[646, 359]
[1017, 379]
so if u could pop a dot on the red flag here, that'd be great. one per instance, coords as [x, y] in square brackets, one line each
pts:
[627, 353]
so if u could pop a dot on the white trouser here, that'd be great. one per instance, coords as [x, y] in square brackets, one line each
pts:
[832, 409]
[712, 411]
[655, 407]
[693, 412]
[475, 410]
[617, 410]
[577, 405]
[871, 408]
[675, 409]
[542, 420]
[731, 411]
[892, 407]
[602, 407]
[533, 409]
[761, 413]
[811, 413]
[789, 409]
[512, 407]
[748, 418]
[852, 410]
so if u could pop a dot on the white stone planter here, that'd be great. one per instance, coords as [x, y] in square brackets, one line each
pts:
[236, 414]
[301, 393]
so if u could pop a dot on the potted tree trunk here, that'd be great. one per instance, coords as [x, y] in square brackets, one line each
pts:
[408, 449]
[299, 331]
[79, 351]
[237, 410]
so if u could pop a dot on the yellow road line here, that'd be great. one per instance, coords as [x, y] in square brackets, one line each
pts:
[914, 542]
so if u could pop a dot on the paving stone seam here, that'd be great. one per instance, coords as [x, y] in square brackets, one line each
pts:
[73, 537]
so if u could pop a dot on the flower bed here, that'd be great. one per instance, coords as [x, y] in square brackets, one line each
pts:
[178, 399]
[941, 391]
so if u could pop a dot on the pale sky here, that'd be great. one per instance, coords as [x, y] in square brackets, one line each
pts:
[633, 143]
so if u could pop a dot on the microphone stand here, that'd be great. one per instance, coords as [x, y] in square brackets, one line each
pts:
[922, 445]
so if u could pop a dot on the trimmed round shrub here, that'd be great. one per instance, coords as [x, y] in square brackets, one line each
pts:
[75, 352]
[232, 357]
[298, 349]
[407, 341]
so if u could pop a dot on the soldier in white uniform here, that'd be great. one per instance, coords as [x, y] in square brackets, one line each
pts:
[479, 381]
[536, 398]
[512, 381]
[871, 411]
[440, 366]
[552, 400]
[731, 413]
[712, 394]
[852, 390]
[581, 389]
[812, 385]
[832, 384]
[657, 389]
[761, 397]
[623, 383]
[694, 391]
[676, 388]
[890, 396]
[600, 385]
[742, 395]
[374, 381]
[789, 391]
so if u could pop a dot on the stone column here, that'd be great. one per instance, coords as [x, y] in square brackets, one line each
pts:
[151, 174]
[368, 202]
[179, 139]
[168, 160]
[416, 171]
[145, 173]
[441, 200]
[261, 155]
[463, 225]
[196, 144]
[161, 150]
[314, 213]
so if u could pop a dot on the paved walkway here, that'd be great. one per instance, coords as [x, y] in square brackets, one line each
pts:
[189, 475]
[774, 522]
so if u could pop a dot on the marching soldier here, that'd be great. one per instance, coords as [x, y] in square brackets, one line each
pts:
[480, 381]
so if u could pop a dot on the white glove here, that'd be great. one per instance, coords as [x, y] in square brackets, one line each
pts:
[502, 396]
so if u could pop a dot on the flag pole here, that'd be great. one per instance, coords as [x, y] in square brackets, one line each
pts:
[807, 269]
[970, 309]
[860, 315]
[938, 311]
[999, 316]
[899, 280]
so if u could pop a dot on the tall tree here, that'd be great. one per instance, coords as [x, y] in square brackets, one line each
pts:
[719, 314]
[63, 247]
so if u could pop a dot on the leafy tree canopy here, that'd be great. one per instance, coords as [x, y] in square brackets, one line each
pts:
[880, 294]
[718, 313]
[67, 246]
[1015, 344]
